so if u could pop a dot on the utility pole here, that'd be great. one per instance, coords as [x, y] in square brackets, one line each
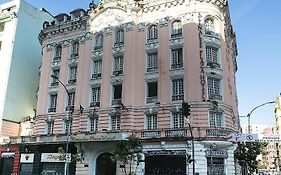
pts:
[186, 113]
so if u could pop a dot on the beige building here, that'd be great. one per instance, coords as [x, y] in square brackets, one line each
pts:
[130, 65]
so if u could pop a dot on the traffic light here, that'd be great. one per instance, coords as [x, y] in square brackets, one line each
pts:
[185, 109]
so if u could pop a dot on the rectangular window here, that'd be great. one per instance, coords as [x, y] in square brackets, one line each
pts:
[151, 121]
[178, 92]
[53, 103]
[119, 37]
[93, 124]
[151, 92]
[115, 122]
[55, 81]
[152, 61]
[117, 91]
[67, 126]
[71, 99]
[214, 88]
[97, 67]
[118, 65]
[96, 94]
[215, 120]
[177, 58]
[178, 120]
[75, 49]
[211, 54]
[50, 127]
[72, 74]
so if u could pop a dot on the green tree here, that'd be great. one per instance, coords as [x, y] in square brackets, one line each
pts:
[128, 152]
[246, 154]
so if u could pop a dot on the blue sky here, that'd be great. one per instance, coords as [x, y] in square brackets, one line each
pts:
[258, 29]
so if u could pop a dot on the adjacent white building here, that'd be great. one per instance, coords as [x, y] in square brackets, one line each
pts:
[20, 58]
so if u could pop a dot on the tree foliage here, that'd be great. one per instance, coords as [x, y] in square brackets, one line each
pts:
[246, 154]
[128, 152]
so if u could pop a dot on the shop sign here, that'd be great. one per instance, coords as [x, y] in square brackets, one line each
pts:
[7, 154]
[98, 137]
[165, 152]
[216, 153]
[55, 157]
[26, 158]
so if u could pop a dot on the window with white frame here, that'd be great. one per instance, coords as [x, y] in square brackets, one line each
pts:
[216, 120]
[177, 58]
[152, 33]
[67, 126]
[96, 94]
[152, 61]
[212, 55]
[152, 88]
[58, 51]
[177, 91]
[178, 120]
[214, 86]
[119, 36]
[176, 29]
[71, 98]
[93, 124]
[117, 92]
[98, 41]
[49, 127]
[118, 65]
[151, 121]
[53, 103]
[75, 48]
[97, 67]
[72, 74]
[55, 73]
[209, 25]
[115, 122]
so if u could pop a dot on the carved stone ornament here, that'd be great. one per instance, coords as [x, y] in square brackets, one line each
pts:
[151, 111]
[129, 26]
[164, 22]
[141, 27]
[115, 111]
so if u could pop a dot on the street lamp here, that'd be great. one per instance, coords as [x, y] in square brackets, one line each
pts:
[68, 119]
[249, 114]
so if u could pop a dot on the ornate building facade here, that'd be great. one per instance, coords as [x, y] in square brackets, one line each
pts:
[130, 65]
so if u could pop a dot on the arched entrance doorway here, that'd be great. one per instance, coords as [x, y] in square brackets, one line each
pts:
[105, 165]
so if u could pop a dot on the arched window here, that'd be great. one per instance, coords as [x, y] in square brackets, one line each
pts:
[152, 32]
[209, 25]
[58, 51]
[99, 41]
[75, 48]
[119, 36]
[176, 29]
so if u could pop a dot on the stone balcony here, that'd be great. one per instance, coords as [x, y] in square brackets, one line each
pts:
[216, 134]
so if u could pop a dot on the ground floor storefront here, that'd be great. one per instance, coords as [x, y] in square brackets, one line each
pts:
[92, 155]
